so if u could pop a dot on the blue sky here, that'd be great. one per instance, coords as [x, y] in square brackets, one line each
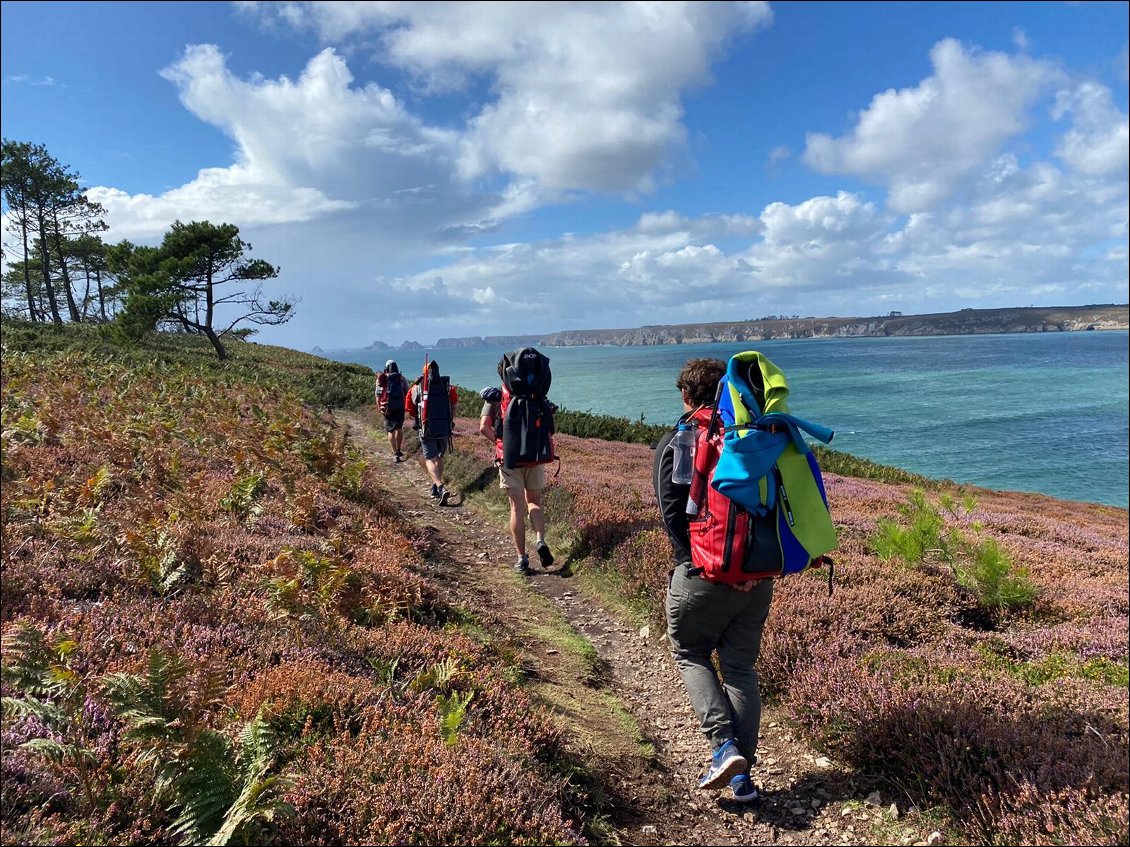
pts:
[429, 170]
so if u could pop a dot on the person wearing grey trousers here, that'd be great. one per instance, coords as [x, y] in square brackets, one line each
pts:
[704, 618]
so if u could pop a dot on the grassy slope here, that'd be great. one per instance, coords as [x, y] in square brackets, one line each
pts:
[206, 595]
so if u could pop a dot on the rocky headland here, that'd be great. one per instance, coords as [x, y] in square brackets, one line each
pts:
[964, 322]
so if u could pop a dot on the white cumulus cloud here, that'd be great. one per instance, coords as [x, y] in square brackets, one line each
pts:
[923, 142]
[585, 95]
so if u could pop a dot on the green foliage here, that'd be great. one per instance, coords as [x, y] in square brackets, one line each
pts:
[980, 565]
[469, 403]
[319, 382]
[606, 427]
[439, 676]
[453, 711]
[385, 669]
[240, 501]
[349, 478]
[179, 283]
[844, 464]
[219, 790]
[52, 693]
[162, 561]
[988, 571]
[1056, 665]
[580, 424]
[921, 537]
[308, 587]
[334, 385]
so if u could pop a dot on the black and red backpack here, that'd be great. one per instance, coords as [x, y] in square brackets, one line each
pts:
[524, 427]
[729, 543]
[390, 390]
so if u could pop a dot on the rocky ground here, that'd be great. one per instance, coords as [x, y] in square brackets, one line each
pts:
[623, 705]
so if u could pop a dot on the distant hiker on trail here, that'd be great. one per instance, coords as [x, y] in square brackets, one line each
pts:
[392, 389]
[431, 401]
[704, 617]
[518, 419]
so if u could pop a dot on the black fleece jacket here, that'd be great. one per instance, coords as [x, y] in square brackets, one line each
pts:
[672, 500]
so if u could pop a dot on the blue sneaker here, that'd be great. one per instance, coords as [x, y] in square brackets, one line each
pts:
[744, 789]
[726, 763]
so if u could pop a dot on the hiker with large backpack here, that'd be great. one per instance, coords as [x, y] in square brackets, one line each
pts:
[431, 401]
[518, 419]
[728, 551]
[391, 391]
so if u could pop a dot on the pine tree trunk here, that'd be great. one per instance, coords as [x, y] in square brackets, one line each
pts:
[221, 353]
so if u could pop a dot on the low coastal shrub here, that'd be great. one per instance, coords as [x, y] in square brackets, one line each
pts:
[321, 383]
[889, 674]
[206, 512]
[607, 427]
[844, 464]
[1016, 762]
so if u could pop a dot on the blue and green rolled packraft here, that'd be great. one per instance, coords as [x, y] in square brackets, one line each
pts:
[767, 466]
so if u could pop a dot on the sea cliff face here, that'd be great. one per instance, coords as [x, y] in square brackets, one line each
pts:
[965, 322]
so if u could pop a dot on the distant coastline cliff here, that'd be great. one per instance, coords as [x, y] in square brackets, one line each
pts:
[964, 322]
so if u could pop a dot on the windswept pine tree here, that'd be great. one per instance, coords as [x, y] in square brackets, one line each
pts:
[199, 280]
[51, 215]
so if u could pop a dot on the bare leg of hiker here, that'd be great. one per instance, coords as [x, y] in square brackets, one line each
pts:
[435, 470]
[518, 519]
[537, 516]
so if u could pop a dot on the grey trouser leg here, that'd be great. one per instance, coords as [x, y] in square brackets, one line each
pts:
[702, 617]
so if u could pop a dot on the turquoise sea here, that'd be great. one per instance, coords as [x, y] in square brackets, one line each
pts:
[1044, 412]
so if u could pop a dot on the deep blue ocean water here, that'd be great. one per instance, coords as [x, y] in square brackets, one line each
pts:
[1044, 412]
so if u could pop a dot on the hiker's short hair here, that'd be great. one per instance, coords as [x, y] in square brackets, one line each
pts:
[699, 380]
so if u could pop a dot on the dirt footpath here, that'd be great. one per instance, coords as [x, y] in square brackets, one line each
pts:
[620, 699]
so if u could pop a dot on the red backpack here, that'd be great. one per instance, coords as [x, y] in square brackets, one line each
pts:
[390, 394]
[730, 544]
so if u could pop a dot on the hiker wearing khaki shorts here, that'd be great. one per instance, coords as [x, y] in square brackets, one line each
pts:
[523, 487]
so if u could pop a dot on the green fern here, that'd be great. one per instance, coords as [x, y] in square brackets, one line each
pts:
[453, 711]
[241, 497]
[218, 789]
[349, 478]
[260, 798]
[54, 694]
[385, 668]
[439, 676]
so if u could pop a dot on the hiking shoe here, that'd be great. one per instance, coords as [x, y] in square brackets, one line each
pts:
[435, 490]
[544, 555]
[444, 496]
[726, 763]
[523, 566]
[399, 457]
[744, 789]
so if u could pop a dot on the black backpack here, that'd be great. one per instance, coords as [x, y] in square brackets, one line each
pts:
[525, 373]
[526, 413]
[436, 418]
[392, 393]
